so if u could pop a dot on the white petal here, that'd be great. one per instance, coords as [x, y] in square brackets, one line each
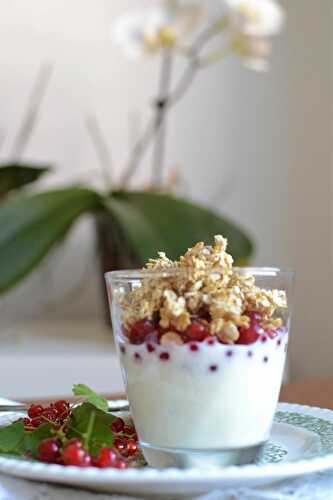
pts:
[256, 17]
[129, 29]
[132, 29]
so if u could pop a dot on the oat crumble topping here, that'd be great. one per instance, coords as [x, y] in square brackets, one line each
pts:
[204, 281]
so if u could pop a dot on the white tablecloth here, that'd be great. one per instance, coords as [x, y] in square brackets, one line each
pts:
[315, 487]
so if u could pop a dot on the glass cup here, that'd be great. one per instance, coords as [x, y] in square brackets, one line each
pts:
[201, 403]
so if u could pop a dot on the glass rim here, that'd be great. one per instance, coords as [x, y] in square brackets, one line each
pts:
[138, 274]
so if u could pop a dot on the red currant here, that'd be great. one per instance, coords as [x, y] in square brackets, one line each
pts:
[75, 442]
[197, 331]
[74, 455]
[35, 411]
[117, 425]
[252, 333]
[50, 414]
[140, 330]
[120, 464]
[164, 356]
[62, 408]
[106, 458]
[36, 422]
[150, 347]
[120, 444]
[48, 450]
[131, 447]
[249, 335]
[129, 430]
[254, 316]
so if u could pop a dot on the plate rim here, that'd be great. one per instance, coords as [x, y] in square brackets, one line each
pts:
[147, 476]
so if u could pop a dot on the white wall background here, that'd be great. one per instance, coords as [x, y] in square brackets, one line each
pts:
[256, 147]
[309, 222]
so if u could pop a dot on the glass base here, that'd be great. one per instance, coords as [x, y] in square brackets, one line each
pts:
[186, 458]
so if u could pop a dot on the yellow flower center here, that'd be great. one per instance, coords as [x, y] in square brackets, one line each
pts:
[164, 37]
[167, 36]
[249, 12]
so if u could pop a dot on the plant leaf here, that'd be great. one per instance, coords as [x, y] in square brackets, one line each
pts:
[33, 438]
[91, 396]
[152, 222]
[31, 224]
[93, 426]
[11, 437]
[16, 175]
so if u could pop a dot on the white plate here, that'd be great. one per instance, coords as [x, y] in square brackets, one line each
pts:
[301, 443]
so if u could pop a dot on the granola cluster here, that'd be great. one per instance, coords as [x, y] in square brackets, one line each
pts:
[202, 283]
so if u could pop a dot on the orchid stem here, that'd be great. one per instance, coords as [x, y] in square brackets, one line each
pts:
[214, 56]
[101, 148]
[2, 139]
[160, 119]
[31, 115]
[157, 125]
[137, 154]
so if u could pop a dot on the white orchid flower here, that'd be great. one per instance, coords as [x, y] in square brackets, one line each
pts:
[254, 51]
[251, 24]
[165, 24]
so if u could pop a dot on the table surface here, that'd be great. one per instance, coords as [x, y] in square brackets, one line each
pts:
[312, 392]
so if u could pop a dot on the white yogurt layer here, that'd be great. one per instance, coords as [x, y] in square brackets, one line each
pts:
[215, 397]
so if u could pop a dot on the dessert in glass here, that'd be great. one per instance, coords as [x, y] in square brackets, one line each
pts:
[202, 346]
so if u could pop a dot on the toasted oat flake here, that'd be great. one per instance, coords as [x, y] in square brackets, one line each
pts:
[203, 278]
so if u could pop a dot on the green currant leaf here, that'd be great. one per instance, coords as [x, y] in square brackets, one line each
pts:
[91, 396]
[33, 438]
[11, 437]
[92, 426]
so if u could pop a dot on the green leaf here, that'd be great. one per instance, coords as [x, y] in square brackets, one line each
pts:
[93, 426]
[91, 396]
[30, 225]
[11, 437]
[152, 222]
[33, 438]
[14, 440]
[16, 175]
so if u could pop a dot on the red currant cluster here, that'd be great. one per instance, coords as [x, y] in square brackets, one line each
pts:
[149, 331]
[146, 330]
[56, 414]
[72, 452]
